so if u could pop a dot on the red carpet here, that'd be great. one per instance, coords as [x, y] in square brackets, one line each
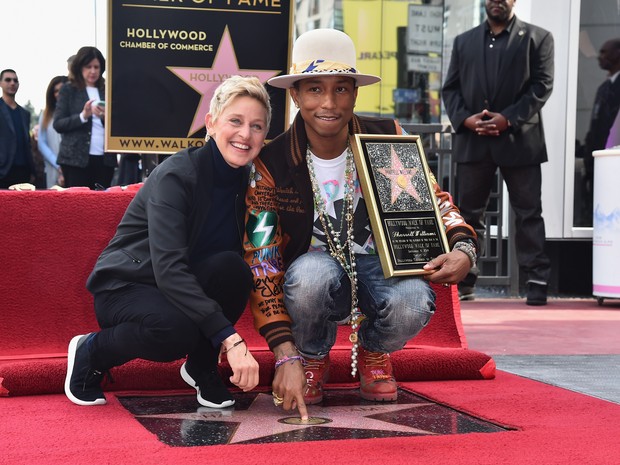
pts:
[553, 426]
[50, 243]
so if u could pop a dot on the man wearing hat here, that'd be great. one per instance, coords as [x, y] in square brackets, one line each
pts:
[310, 244]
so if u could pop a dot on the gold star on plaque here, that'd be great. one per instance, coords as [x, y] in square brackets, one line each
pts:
[400, 178]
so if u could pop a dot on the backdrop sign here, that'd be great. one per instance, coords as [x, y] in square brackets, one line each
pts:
[165, 59]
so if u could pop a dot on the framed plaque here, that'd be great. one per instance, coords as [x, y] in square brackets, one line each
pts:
[401, 202]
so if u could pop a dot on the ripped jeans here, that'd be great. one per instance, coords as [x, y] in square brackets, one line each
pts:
[317, 295]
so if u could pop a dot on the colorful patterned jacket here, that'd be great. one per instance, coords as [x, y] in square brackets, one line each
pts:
[280, 216]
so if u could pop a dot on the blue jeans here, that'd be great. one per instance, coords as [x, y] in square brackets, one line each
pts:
[317, 295]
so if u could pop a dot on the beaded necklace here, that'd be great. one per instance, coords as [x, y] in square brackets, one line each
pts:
[341, 251]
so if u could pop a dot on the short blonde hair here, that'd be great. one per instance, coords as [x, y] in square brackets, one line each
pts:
[238, 86]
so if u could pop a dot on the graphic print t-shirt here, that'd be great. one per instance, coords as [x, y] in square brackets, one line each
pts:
[331, 180]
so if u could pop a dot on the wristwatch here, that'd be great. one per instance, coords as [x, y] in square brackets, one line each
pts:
[469, 248]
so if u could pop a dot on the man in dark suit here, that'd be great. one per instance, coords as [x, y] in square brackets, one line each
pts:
[16, 163]
[500, 76]
[605, 109]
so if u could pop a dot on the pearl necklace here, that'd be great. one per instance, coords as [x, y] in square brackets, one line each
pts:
[342, 252]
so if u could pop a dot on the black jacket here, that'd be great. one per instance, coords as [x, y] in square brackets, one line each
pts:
[8, 139]
[158, 232]
[604, 111]
[524, 84]
[75, 142]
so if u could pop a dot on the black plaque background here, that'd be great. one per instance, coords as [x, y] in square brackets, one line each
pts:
[147, 100]
[386, 223]
[418, 253]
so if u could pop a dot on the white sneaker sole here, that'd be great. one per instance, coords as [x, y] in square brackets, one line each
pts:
[70, 362]
[189, 380]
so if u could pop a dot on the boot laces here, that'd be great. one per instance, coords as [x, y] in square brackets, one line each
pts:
[376, 359]
[377, 366]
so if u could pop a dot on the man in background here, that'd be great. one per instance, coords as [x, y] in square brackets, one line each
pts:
[16, 163]
[500, 76]
[604, 111]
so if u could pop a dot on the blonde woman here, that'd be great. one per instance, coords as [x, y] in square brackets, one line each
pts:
[172, 282]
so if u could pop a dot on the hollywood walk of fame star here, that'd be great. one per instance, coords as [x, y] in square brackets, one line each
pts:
[400, 178]
[205, 80]
[270, 424]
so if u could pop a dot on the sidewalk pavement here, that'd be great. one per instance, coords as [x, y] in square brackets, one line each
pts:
[573, 343]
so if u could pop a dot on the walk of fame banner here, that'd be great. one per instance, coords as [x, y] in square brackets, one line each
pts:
[402, 206]
[165, 59]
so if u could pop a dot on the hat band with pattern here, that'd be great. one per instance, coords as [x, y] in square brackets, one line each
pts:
[321, 66]
[323, 53]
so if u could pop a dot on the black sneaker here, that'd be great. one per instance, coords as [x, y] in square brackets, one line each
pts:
[536, 294]
[466, 293]
[210, 389]
[83, 383]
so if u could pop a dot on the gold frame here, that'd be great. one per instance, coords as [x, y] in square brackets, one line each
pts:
[407, 228]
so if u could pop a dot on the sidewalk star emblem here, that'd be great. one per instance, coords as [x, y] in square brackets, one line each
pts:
[180, 421]
[205, 80]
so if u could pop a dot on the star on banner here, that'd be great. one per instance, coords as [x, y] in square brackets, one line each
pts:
[400, 178]
[205, 80]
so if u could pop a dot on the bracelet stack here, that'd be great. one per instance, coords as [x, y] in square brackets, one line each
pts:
[285, 359]
[239, 342]
[467, 248]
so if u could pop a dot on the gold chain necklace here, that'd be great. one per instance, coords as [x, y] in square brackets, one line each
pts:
[342, 252]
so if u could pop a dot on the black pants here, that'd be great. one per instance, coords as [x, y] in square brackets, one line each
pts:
[95, 175]
[16, 175]
[474, 184]
[138, 321]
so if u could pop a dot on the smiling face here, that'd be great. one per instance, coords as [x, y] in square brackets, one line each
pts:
[91, 72]
[239, 130]
[326, 105]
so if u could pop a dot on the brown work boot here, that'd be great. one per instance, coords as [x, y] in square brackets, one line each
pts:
[317, 372]
[377, 381]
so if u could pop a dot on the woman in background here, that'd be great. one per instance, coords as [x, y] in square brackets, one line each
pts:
[79, 117]
[48, 138]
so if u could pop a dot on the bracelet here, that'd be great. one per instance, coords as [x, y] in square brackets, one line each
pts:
[468, 249]
[285, 359]
[239, 342]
